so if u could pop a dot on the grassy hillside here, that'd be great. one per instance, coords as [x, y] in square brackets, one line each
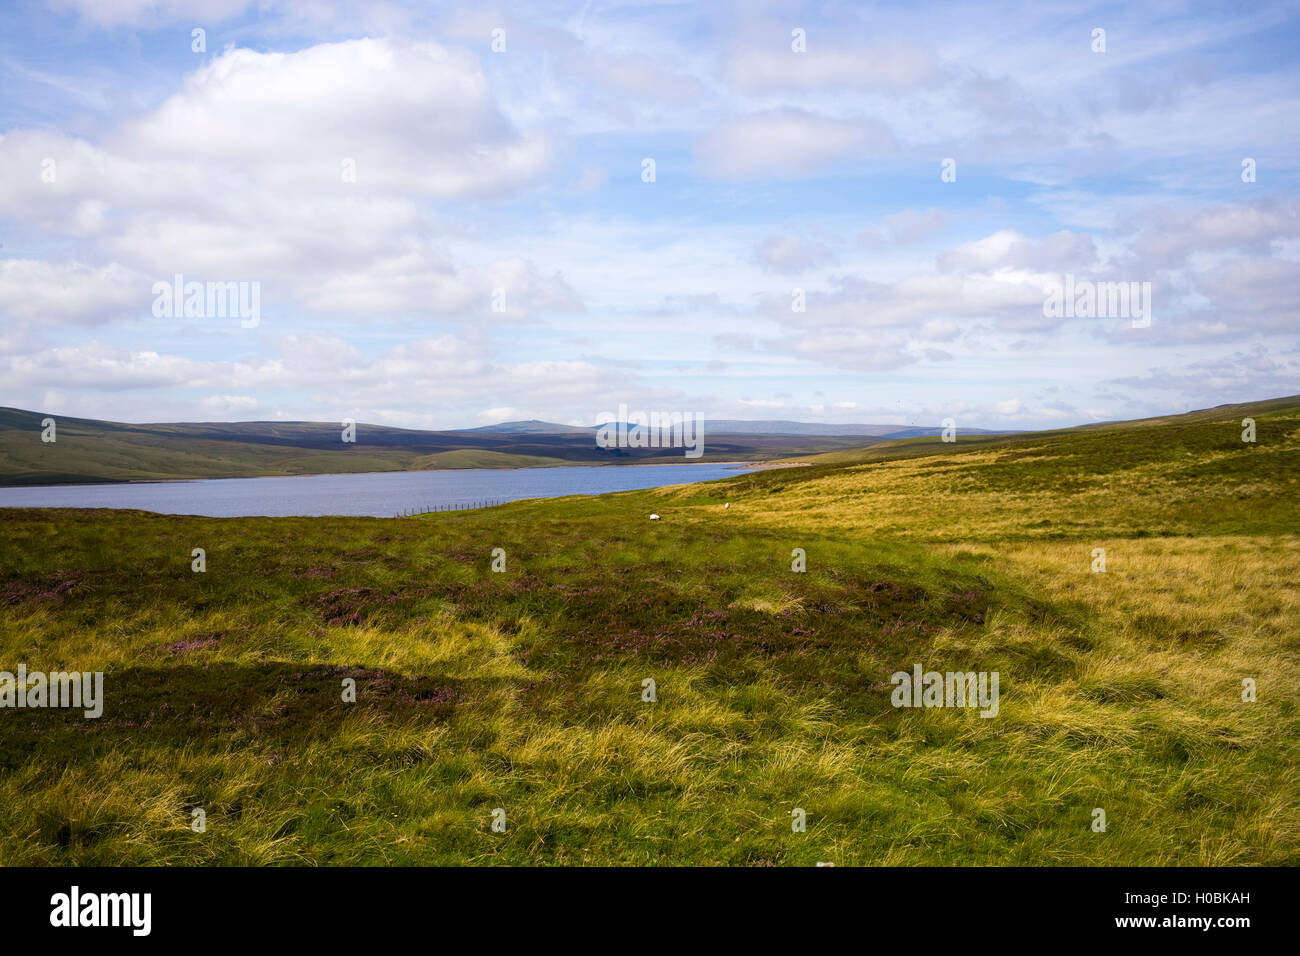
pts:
[522, 690]
[482, 458]
[86, 450]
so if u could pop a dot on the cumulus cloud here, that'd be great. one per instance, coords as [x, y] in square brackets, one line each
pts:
[304, 171]
[505, 290]
[51, 293]
[1009, 249]
[416, 117]
[95, 365]
[1240, 376]
[381, 190]
[1167, 236]
[919, 302]
[863, 350]
[413, 381]
[1242, 296]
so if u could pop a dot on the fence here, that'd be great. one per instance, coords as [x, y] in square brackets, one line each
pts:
[463, 506]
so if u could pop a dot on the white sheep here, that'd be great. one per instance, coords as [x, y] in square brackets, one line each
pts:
[654, 517]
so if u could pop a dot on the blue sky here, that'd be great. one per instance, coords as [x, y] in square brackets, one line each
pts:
[520, 170]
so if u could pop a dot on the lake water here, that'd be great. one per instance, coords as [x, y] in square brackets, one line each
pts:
[378, 494]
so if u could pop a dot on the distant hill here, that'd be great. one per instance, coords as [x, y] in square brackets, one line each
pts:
[1064, 443]
[89, 450]
[530, 427]
[922, 432]
[729, 426]
[818, 429]
[778, 427]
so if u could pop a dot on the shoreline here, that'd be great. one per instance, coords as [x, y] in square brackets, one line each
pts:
[764, 465]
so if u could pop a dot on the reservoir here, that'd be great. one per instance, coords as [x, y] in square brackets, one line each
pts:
[376, 494]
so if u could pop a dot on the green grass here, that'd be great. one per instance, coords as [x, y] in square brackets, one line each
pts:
[484, 458]
[523, 689]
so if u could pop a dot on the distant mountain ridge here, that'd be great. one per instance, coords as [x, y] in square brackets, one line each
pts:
[729, 426]
[88, 450]
[531, 427]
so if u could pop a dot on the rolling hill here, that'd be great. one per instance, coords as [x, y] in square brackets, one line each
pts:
[87, 450]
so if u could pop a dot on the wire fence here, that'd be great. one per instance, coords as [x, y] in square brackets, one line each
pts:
[459, 506]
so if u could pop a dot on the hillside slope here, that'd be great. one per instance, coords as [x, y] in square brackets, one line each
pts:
[86, 450]
[1073, 481]
[1123, 688]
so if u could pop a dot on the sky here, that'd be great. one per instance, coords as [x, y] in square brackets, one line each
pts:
[455, 215]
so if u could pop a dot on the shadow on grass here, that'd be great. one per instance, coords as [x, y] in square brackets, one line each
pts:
[215, 702]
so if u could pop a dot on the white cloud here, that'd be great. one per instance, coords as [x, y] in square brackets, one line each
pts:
[788, 142]
[227, 405]
[1009, 249]
[476, 171]
[410, 282]
[416, 117]
[432, 382]
[116, 13]
[787, 254]
[240, 176]
[49, 294]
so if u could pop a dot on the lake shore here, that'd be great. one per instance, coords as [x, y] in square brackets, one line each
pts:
[752, 465]
[377, 494]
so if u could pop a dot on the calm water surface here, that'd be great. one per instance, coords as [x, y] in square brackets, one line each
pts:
[380, 495]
